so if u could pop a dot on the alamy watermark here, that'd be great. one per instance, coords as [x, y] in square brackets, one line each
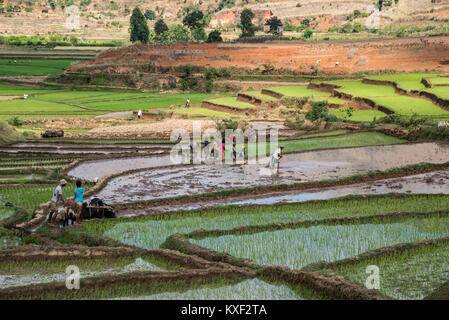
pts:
[73, 19]
[238, 146]
[373, 280]
[73, 277]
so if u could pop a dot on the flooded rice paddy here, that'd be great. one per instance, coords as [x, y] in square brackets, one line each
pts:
[299, 167]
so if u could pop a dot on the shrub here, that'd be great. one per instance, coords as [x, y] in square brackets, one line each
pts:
[214, 36]
[320, 111]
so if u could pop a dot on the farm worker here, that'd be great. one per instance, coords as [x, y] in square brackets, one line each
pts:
[275, 158]
[79, 199]
[57, 200]
[139, 114]
[337, 64]
[188, 102]
[223, 149]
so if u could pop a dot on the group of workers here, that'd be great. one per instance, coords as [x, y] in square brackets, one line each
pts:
[63, 211]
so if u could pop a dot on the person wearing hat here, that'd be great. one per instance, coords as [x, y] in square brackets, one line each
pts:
[57, 200]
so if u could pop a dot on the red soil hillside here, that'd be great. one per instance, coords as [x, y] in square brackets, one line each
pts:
[353, 56]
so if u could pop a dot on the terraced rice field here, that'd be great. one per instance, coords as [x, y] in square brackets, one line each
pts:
[260, 95]
[35, 67]
[31, 196]
[150, 232]
[54, 103]
[232, 102]
[385, 96]
[358, 115]
[304, 92]
[410, 275]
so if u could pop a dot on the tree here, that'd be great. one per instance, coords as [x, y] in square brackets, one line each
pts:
[307, 33]
[305, 22]
[160, 27]
[193, 20]
[274, 23]
[150, 15]
[138, 27]
[214, 36]
[246, 23]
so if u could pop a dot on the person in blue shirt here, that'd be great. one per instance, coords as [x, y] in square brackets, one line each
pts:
[79, 198]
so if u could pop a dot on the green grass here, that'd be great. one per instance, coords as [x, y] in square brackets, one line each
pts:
[320, 134]
[385, 96]
[30, 196]
[151, 231]
[439, 80]
[53, 103]
[201, 112]
[232, 102]
[359, 115]
[260, 95]
[412, 274]
[303, 92]
[32, 67]
[442, 92]
[352, 140]
[406, 81]
[297, 248]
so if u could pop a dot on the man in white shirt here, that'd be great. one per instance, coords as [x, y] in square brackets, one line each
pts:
[275, 158]
[57, 200]
[139, 114]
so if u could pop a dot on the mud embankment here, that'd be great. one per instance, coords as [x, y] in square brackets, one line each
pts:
[226, 108]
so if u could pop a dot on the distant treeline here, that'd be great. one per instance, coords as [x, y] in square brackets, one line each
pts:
[53, 41]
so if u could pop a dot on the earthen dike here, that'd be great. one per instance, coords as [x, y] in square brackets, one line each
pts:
[408, 54]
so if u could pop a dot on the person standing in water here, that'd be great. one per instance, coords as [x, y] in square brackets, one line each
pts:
[275, 159]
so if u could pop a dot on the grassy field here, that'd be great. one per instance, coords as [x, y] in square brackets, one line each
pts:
[55, 103]
[439, 80]
[260, 95]
[406, 81]
[385, 96]
[201, 112]
[352, 140]
[303, 92]
[18, 67]
[232, 102]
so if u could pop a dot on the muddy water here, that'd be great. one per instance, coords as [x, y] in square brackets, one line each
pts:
[89, 170]
[302, 167]
[431, 183]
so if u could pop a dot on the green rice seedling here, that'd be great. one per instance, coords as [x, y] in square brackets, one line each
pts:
[411, 274]
[152, 230]
[299, 247]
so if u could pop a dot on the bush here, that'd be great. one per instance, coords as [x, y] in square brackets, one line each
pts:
[214, 36]
[320, 112]
[15, 121]
[307, 33]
